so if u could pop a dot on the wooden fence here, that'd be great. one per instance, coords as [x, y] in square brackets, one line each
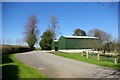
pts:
[105, 57]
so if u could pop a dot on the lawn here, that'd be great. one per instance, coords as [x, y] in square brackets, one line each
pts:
[12, 68]
[106, 62]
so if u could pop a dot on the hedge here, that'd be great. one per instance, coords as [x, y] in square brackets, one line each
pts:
[9, 49]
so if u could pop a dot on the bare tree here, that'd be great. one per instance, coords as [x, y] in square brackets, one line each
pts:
[8, 41]
[54, 25]
[23, 42]
[31, 31]
[11, 41]
[17, 41]
[3, 41]
[0, 41]
[115, 46]
[102, 35]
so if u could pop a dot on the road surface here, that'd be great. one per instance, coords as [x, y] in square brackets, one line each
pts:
[59, 67]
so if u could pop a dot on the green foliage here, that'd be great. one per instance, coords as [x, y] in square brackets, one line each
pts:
[52, 32]
[38, 49]
[31, 41]
[79, 32]
[46, 40]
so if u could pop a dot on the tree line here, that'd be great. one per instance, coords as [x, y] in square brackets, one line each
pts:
[9, 41]
[31, 35]
[31, 32]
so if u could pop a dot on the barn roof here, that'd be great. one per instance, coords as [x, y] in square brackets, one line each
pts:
[79, 37]
[55, 40]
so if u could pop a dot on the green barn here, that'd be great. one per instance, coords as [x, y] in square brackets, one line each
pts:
[75, 42]
[55, 45]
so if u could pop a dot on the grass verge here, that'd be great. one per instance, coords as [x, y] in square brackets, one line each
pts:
[91, 59]
[12, 68]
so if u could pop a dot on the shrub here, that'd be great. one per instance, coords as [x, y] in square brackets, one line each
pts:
[46, 40]
[9, 49]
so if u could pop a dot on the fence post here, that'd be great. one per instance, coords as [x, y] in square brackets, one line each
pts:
[98, 55]
[115, 60]
[82, 53]
[92, 51]
[87, 53]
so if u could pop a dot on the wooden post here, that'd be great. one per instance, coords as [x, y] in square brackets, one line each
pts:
[115, 57]
[92, 51]
[115, 61]
[82, 53]
[98, 55]
[87, 53]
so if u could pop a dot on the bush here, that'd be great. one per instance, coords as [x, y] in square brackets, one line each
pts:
[38, 49]
[9, 49]
[46, 41]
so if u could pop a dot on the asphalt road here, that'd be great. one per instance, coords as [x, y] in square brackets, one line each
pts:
[59, 67]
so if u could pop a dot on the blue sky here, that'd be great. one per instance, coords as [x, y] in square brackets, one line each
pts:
[71, 15]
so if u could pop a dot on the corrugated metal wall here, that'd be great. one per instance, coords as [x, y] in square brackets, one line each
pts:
[62, 43]
[74, 43]
[54, 44]
[83, 43]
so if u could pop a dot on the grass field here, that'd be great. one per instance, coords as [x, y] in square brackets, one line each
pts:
[92, 59]
[12, 68]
